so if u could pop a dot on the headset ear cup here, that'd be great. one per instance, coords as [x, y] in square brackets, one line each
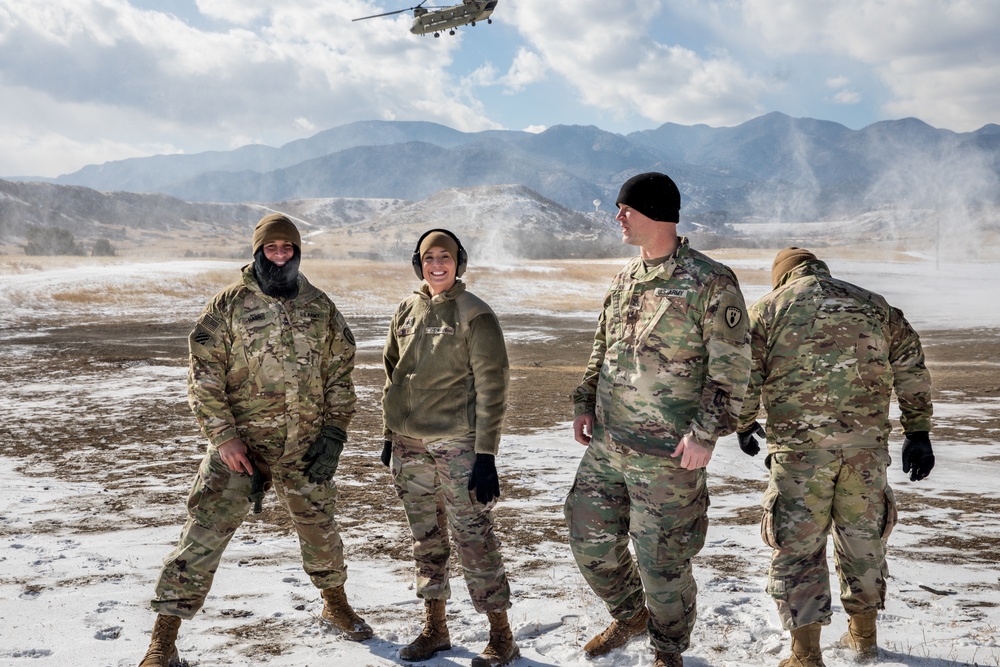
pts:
[415, 261]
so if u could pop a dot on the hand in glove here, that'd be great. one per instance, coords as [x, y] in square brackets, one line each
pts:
[386, 455]
[257, 481]
[748, 443]
[918, 458]
[324, 454]
[484, 478]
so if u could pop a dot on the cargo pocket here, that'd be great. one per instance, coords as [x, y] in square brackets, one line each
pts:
[768, 524]
[891, 514]
[684, 542]
[218, 499]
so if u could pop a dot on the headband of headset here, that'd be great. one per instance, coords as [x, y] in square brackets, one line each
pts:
[460, 261]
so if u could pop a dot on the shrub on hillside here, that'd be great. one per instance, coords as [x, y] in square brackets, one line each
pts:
[103, 248]
[51, 241]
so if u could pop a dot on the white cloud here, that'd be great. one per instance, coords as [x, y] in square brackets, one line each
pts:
[847, 97]
[614, 63]
[528, 68]
[937, 60]
[535, 129]
[180, 83]
[838, 82]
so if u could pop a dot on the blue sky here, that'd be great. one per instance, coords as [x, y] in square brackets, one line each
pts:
[89, 81]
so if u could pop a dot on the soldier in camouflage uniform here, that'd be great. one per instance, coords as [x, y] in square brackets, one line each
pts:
[665, 380]
[270, 384]
[443, 407]
[827, 355]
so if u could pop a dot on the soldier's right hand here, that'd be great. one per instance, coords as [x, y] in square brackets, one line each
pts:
[583, 429]
[386, 455]
[917, 455]
[234, 454]
[748, 443]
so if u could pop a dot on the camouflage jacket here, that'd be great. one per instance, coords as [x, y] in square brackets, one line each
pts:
[826, 358]
[270, 371]
[670, 355]
[446, 369]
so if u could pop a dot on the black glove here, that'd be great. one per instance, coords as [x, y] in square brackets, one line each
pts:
[917, 455]
[748, 443]
[484, 478]
[386, 455]
[257, 489]
[324, 454]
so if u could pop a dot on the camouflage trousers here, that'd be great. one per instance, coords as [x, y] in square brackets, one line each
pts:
[432, 480]
[813, 494]
[619, 495]
[218, 505]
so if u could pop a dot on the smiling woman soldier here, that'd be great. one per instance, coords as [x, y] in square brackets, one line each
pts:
[443, 406]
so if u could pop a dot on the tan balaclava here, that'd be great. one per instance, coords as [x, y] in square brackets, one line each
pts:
[788, 259]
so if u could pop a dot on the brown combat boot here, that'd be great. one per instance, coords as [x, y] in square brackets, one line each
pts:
[806, 651]
[162, 645]
[617, 634]
[664, 659]
[433, 638]
[501, 650]
[861, 636]
[338, 612]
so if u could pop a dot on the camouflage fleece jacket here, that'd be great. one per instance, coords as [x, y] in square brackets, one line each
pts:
[271, 371]
[670, 355]
[826, 357]
[446, 369]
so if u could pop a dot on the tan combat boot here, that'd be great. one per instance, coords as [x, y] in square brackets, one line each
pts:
[861, 636]
[806, 651]
[162, 645]
[501, 650]
[664, 659]
[338, 612]
[433, 638]
[617, 634]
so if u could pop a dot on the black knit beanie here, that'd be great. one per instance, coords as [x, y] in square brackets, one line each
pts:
[653, 194]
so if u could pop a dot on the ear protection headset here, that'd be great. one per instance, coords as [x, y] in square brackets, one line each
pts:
[460, 262]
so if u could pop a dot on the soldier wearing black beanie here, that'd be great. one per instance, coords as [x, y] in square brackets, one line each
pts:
[653, 194]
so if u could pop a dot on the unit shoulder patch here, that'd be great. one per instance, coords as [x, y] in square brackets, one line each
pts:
[731, 318]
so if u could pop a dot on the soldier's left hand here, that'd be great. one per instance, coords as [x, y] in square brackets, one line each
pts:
[484, 478]
[324, 454]
[748, 443]
[918, 457]
[693, 455]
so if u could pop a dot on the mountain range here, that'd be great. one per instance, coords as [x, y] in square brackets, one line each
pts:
[773, 167]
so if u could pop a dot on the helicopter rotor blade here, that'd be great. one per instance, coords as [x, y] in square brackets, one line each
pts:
[375, 16]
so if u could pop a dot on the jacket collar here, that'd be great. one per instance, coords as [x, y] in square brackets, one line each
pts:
[807, 268]
[448, 295]
[666, 269]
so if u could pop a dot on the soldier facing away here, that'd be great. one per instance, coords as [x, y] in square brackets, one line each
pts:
[827, 356]
[665, 380]
[270, 385]
[443, 407]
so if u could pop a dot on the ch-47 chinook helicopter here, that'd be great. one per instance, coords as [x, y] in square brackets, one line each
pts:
[435, 20]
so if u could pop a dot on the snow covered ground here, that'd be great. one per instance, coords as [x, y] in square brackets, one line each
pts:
[75, 596]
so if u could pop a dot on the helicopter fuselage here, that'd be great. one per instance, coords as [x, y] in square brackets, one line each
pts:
[436, 20]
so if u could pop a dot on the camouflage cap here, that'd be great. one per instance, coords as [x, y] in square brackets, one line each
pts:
[788, 259]
[275, 227]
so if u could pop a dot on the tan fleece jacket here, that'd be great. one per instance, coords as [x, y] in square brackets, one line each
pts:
[446, 369]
